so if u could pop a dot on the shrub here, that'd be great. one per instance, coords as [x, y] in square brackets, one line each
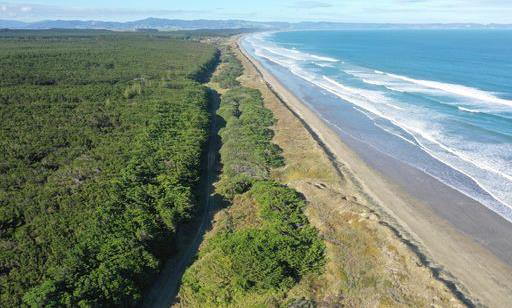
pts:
[132, 90]
[247, 152]
[267, 260]
[227, 78]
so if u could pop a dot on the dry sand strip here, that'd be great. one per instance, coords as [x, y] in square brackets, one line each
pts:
[482, 279]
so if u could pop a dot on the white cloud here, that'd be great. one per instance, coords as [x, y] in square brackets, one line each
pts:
[31, 12]
[310, 4]
[26, 9]
[410, 11]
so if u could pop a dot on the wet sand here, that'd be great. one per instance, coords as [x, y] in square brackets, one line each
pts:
[465, 244]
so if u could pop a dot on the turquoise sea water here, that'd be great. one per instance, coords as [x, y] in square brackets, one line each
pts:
[438, 100]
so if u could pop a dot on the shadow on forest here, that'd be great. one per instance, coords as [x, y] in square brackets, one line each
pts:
[190, 235]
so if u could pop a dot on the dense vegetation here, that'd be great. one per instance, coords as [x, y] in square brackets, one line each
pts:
[247, 153]
[232, 69]
[101, 138]
[250, 262]
[244, 267]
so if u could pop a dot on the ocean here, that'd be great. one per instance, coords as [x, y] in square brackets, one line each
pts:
[439, 101]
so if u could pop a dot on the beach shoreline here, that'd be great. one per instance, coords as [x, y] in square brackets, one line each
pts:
[431, 237]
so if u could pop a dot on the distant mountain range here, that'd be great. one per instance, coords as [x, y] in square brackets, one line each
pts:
[149, 23]
[176, 24]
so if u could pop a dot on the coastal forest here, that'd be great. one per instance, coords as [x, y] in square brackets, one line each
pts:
[101, 140]
[102, 163]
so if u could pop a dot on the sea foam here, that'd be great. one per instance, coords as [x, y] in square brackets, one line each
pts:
[485, 164]
[468, 110]
[457, 90]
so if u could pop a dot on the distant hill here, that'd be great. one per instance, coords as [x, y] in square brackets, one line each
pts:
[177, 24]
[342, 26]
[149, 23]
[12, 24]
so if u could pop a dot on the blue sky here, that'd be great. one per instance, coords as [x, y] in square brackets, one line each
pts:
[400, 11]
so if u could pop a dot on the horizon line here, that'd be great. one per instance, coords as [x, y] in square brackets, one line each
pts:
[256, 21]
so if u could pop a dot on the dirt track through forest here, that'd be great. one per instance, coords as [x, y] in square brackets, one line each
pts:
[165, 289]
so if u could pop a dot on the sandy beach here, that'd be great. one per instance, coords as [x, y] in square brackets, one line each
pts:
[450, 240]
